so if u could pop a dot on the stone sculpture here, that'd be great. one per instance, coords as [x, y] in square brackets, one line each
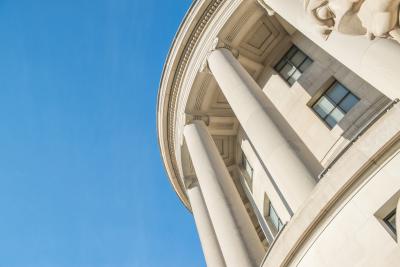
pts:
[373, 18]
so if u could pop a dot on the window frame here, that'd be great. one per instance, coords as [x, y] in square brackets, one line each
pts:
[278, 227]
[335, 105]
[248, 176]
[388, 224]
[288, 60]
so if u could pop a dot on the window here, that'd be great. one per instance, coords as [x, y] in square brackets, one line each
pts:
[390, 221]
[334, 104]
[273, 218]
[249, 170]
[292, 65]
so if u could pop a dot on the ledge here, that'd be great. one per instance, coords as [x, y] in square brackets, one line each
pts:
[189, 32]
[338, 181]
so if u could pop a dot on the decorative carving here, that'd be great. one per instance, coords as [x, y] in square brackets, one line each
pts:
[176, 82]
[217, 43]
[201, 92]
[223, 125]
[372, 18]
[193, 117]
[190, 181]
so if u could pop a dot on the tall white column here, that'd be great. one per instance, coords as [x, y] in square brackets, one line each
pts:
[236, 235]
[252, 108]
[377, 61]
[212, 251]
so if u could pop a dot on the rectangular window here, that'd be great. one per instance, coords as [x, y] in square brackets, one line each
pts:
[390, 221]
[292, 65]
[334, 104]
[273, 218]
[249, 171]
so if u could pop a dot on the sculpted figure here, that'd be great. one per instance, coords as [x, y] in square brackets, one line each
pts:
[373, 18]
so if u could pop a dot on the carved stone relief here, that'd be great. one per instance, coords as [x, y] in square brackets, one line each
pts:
[372, 18]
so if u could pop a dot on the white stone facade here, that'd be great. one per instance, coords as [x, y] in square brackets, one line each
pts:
[270, 181]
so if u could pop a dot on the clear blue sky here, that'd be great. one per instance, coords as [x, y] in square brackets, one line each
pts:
[81, 179]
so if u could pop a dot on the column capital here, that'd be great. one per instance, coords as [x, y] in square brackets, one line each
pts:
[217, 44]
[190, 181]
[197, 117]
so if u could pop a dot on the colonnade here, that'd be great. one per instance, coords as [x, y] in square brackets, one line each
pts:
[226, 231]
[233, 228]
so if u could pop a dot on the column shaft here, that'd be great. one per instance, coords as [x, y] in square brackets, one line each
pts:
[236, 235]
[212, 251]
[252, 108]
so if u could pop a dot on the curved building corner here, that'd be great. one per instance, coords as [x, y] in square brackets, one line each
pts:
[280, 131]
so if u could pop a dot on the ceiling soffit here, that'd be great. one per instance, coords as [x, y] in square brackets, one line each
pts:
[253, 35]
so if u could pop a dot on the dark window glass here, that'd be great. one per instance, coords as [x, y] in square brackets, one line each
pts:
[292, 65]
[274, 218]
[249, 171]
[337, 93]
[305, 65]
[334, 104]
[298, 58]
[390, 220]
[348, 102]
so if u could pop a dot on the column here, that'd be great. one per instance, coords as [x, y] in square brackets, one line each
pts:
[209, 243]
[235, 232]
[252, 109]
[377, 61]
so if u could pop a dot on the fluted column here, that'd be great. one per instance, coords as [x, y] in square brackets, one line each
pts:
[252, 108]
[209, 243]
[236, 235]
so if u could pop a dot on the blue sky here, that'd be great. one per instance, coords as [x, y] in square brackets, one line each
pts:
[81, 179]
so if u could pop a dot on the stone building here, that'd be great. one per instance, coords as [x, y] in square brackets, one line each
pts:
[279, 128]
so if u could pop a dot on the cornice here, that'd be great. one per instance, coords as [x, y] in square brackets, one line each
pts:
[190, 31]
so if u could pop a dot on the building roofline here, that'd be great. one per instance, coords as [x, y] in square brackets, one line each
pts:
[173, 62]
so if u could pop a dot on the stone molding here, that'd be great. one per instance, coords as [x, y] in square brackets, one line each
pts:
[196, 37]
[269, 10]
[217, 43]
[341, 179]
[167, 142]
